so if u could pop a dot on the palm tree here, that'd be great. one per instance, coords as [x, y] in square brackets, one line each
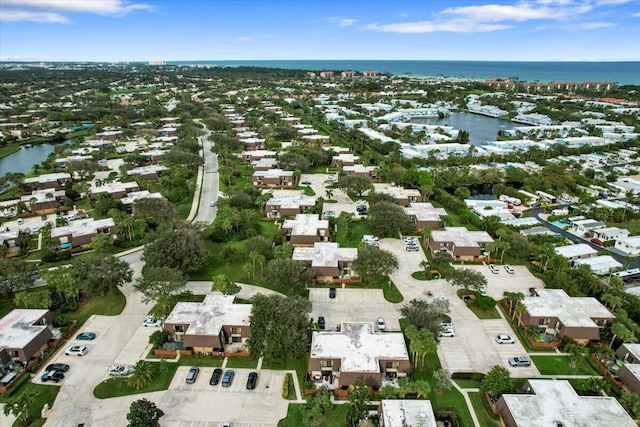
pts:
[426, 234]
[514, 299]
[49, 197]
[19, 406]
[505, 246]
[32, 201]
[143, 374]
[329, 193]
[619, 330]
[611, 300]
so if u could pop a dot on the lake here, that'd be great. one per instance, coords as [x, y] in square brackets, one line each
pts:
[481, 128]
[23, 160]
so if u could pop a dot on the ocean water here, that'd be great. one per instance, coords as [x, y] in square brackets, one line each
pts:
[623, 73]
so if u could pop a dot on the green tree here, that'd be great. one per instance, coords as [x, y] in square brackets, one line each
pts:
[20, 405]
[373, 264]
[102, 242]
[388, 220]
[220, 283]
[442, 257]
[317, 407]
[143, 374]
[467, 279]
[64, 284]
[424, 314]
[442, 378]
[182, 248]
[260, 245]
[15, 275]
[100, 274]
[359, 400]
[421, 342]
[496, 382]
[144, 413]
[357, 184]
[160, 282]
[292, 276]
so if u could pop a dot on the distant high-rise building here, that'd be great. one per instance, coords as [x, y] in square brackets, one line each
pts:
[156, 62]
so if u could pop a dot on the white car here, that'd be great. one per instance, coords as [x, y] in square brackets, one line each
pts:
[446, 333]
[509, 269]
[482, 292]
[76, 350]
[505, 339]
[119, 370]
[213, 203]
[152, 321]
[381, 324]
[494, 269]
[329, 214]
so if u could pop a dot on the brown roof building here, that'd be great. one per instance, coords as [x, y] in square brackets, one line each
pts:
[423, 214]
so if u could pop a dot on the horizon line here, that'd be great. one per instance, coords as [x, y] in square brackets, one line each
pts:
[353, 59]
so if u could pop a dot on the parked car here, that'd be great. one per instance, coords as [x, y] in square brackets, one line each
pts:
[55, 376]
[192, 375]
[321, 323]
[252, 380]
[227, 378]
[119, 370]
[215, 376]
[520, 361]
[305, 183]
[446, 333]
[482, 292]
[152, 321]
[494, 269]
[86, 336]
[532, 292]
[597, 241]
[505, 339]
[380, 323]
[329, 214]
[412, 248]
[76, 350]
[62, 367]
[332, 292]
[509, 269]
[43, 217]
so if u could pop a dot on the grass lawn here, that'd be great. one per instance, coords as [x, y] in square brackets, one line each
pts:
[357, 230]
[467, 383]
[44, 394]
[337, 417]
[419, 275]
[559, 365]
[108, 305]
[483, 412]
[480, 305]
[241, 362]
[299, 365]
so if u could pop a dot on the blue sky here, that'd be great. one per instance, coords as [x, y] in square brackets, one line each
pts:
[168, 30]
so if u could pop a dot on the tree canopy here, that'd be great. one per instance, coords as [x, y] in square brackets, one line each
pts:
[373, 264]
[144, 413]
[467, 278]
[387, 220]
[181, 248]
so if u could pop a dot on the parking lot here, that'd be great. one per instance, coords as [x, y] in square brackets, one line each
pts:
[353, 305]
[497, 284]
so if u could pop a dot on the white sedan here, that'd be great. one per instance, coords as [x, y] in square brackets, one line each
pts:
[152, 321]
[505, 339]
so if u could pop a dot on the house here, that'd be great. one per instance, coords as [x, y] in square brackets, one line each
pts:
[345, 159]
[80, 232]
[629, 353]
[251, 156]
[487, 208]
[264, 164]
[110, 135]
[576, 318]
[424, 214]
[348, 74]
[402, 196]
[306, 230]
[462, 244]
[49, 181]
[152, 156]
[210, 325]
[117, 189]
[537, 231]
[43, 201]
[62, 163]
[254, 143]
[610, 233]
[587, 226]
[629, 245]
[554, 403]
[600, 265]
[289, 206]
[361, 170]
[328, 261]
[11, 241]
[629, 373]
[273, 178]
[326, 74]
[322, 140]
[291, 121]
[406, 413]
[130, 200]
[574, 252]
[24, 334]
[357, 354]
[151, 172]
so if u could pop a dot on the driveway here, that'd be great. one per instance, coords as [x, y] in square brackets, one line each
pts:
[353, 305]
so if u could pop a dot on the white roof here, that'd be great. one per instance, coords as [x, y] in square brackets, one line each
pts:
[209, 316]
[16, 329]
[599, 264]
[358, 347]
[137, 195]
[634, 349]
[425, 211]
[325, 254]
[273, 173]
[571, 311]
[49, 177]
[570, 251]
[461, 237]
[114, 187]
[291, 202]
[306, 224]
[359, 168]
[407, 413]
[396, 192]
[144, 170]
[557, 402]
[82, 227]
[41, 195]
[632, 241]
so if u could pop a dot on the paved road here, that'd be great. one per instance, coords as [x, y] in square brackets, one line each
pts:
[206, 212]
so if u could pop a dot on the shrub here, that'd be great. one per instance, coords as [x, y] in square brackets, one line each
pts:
[285, 386]
[158, 338]
[484, 303]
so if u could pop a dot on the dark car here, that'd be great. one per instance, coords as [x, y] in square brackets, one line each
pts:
[86, 336]
[332, 292]
[61, 367]
[215, 377]
[227, 379]
[55, 376]
[252, 380]
[321, 323]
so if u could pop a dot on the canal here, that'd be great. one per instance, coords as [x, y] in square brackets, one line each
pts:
[481, 128]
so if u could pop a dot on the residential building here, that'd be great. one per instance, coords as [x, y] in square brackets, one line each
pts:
[554, 403]
[129, 201]
[61, 164]
[11, 241]
[600, 265]
[487, 208]
[251, 156]
[254, 143]
[80, 232]
[322, 140]
[610, 233]
[402, 196]
[306, 230]
[462, 244]
[264, 164]
[629, 353]
[587, 226]
[43, 201]
[348, 74]
[289, 206]
[49, 181]
[361, 170]
[537, 231]
[578, 251]
[24, 334]
[345, 159]
[576, 318]
[291, 121]
[117, 189]
[110, 135]
[629, 245]
[406, 413]
[273, 178]
[326, 74]
[209, 326]
[356, 353]
[151, 172]
[328, 261]
[424, 214]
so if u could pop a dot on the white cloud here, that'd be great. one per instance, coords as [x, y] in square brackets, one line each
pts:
[22, 15]
[596, 25]
[454, 26]
[345, 22]
[496, 12]
[636, 15]
[244, 39]
[23, 58]
[611, 2]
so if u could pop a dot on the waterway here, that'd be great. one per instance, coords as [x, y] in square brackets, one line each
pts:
[481, 128]
[23, 160]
